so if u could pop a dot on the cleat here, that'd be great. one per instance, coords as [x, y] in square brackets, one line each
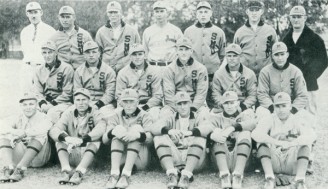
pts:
[17, 175]
[225, 181]
[184, 182]
[236, 181]
[76, 179]
[112, 180]
[6, 174]
[65, 176]
[172, 181]
[269, 183]
[123, 182]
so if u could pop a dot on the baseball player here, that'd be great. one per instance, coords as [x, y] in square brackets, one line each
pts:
[185, 74]
[24, 140]
[53, 83]
[144, 78]
[116, 37]
[98, 78]
[159, 39]
[77, 136]
[179, 143]
[284, 143]
[208, 45]
[127, 131]
[231, 136]
[70, 38]
[32, 37]
[255, 38]
[280, 76]
[234, 77]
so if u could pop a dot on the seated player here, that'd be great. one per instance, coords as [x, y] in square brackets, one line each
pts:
[232, 140]
[24, 140]
[178, 142]
[53, 83]
[127, 131]
[98, 78]
[284, 144]
[77, 137]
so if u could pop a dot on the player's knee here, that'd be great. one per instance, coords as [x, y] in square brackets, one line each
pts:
[244, 147]
[244, 135]
[92, 147]
[263, 151]
[35, 144]
[218, 149]
[304, 152]
[61, 145]
[4, 142]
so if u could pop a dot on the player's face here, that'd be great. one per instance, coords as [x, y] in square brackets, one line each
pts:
[254, 14]
[34, 16]
[81, 102]
[230, 107]
[29, 107]
[49, 55]
[184, 53]
[160, 15]
[114, 16]
[67, 20]
[130, 106]
[233, 60]
[297, 21]
[183, 108]
[280, 58]
[282, 110]
[92, 56]
[138, 58]
[203, 15]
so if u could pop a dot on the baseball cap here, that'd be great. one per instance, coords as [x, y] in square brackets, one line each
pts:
[159, 5]
[255, 3]
[182, 96]
[204, 4]
[297, 10]
[137, 48]
[281, 98]
[66, 10]
[33, 6]
[279, 47]
[185, 42]
[27, 96]
[229, 96]
[233, 48]
[129, 94]
[114, 6]
[83, 91]
[49, 45]
[90, 45]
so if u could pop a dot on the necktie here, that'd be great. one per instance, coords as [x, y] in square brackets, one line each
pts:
[34, 35]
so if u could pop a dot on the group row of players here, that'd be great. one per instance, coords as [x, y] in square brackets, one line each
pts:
[191, 84]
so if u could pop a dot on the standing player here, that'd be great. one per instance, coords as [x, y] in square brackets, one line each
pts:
[255, 38]
[53, 83]
[234, 77]
[115, 38]
[24, 140]
[144, 78]
[32, 37]
[98, 78]
[159, 39]
[232, 140]
[284, 143]
[77, 137]
[179, 143]
[127, 130]
[70, 38]
[208, 45]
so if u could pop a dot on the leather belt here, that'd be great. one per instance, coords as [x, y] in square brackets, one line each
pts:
[159, 63]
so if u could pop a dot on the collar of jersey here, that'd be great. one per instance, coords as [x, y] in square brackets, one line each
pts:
[98, 66]
[57, 64]
[76, 112]
[283, 68]
[108, 25]
[231, 116]
[191, 115]
[134, 114]
[189, 63]
[261, 23]
[76, 27]
[133, 66]
[240, 68]
[207, 25]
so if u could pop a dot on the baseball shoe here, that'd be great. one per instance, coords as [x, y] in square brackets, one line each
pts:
[269, 183]
[4, 177]
[172, 181]
[76, 179]
[112, 180]
[309, 169]
[183, 182]
[17, 175]
[299, 184]
[65, 176]
[123, 182]
[226, 181]
[236, 181]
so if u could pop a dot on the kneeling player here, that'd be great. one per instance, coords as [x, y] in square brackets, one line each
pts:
[127, 129]
[232, 140]
[178, 142]
[77, 137]
[284, 143]
[24, 141]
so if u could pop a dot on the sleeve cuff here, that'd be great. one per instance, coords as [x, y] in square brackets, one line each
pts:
[110, 135]
[54, 103]
[196, 132]
[165, 130]
[86, 139]
[243, 106]
[142, 137]
[145, 107]
[62, 137]
[42, 102]
[271, 108]
[100, 104]
[294, 110]
[238, 127]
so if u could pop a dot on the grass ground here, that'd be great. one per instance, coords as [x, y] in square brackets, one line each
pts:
[155, 178]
